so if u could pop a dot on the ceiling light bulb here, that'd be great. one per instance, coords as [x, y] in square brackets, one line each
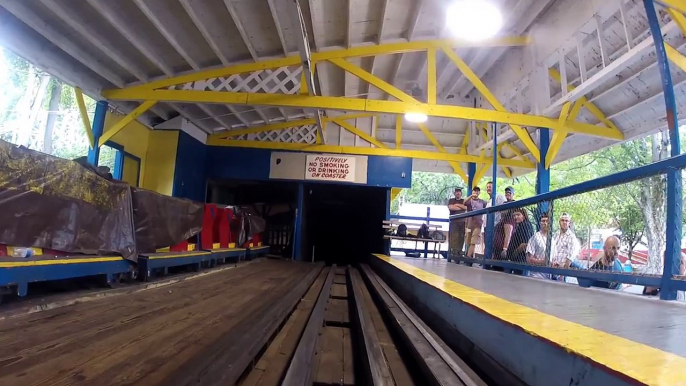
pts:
[473, 20]
[416, 117]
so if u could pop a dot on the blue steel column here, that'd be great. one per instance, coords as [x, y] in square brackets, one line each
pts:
[297, 231]
[490, 218]
[673, 250]
[98, 127]
[471, 172]
[543, 174]
[387, 243]
[426, 243]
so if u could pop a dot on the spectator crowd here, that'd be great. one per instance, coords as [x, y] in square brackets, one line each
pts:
[514, 238]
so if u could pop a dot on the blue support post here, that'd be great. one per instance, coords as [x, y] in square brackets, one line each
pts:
[674, 193]
[297, 231]
[428, 220]
[542, 174]
[98, 127]
[387, 243]
[471, 172]
[490, 218]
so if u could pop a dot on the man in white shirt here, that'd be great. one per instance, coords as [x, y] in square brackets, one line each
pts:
[537, 247]
[566, 244]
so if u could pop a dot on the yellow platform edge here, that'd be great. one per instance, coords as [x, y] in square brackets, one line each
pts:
[638, 361]
[34, 263]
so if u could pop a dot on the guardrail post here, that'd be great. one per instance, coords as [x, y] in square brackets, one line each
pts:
[98, 127]
[490, 218]
[542, 174]
[674, 194]
[297, 231]
[387, 243]
[471, 172]
[428, 220]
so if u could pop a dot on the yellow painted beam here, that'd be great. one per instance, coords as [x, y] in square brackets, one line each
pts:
[431, 75]
[356, 104]
[395, 192]
[285, 125]
[360, 133]
[560, 135]
[514, 149]
[398, 131]
[84, 116]
[465, 142]
[521, 133]
[362, 51]
[506, 170]
[481, 172]
[590, 106]
[132, 116]
[457, 168]
[678, 5]
[676, 57]
[373, 80]
[303, 83]
[417, 154]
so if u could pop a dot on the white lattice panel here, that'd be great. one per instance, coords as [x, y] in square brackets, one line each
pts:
[283, 80]
[302, 134]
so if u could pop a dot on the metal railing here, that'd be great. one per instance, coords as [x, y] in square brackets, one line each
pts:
[536, 236]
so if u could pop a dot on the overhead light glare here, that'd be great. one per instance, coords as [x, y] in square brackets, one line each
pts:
[474, 20]
[416, 117]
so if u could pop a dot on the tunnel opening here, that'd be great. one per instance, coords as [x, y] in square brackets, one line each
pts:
[342, 224]
[275, 201]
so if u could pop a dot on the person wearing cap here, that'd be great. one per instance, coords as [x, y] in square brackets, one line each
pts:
[474, 223]
[567, 246]
[457, 227]
[509, 194]
[502, 231]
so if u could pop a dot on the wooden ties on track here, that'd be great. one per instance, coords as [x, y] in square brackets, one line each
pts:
[186, 333]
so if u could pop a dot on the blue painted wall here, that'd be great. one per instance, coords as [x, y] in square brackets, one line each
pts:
[390, 172]
[190, 172]
[238, 163]
[253, 164]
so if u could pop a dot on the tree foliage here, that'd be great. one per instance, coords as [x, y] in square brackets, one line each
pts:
[29, 114]
[635, 210]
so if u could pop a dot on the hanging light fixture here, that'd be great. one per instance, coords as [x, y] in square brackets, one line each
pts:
[416, 117]
[473, 20]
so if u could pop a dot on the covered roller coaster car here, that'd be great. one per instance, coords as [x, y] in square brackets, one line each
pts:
[245, 227]
[162, 221]
[72, 207]
[53, 203]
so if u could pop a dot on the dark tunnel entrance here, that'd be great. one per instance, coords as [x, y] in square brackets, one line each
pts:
[342, 223]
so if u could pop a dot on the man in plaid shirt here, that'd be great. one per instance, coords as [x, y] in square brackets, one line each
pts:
[567, 246]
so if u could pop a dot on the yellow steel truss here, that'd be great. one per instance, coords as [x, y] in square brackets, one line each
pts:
[284, 125]
[353, 104]
[522, 134]
[343, 124]
[117, 127]
[567, 115]
[456, 166]
[159, 91]
[417, 154]
[84, 116]
[677, 5]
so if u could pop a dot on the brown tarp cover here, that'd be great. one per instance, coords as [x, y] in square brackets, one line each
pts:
[50, 202]
[162, 221]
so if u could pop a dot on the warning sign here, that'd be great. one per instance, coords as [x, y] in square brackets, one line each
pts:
[330, 168]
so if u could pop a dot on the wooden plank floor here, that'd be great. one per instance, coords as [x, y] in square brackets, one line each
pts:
[144, 338]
